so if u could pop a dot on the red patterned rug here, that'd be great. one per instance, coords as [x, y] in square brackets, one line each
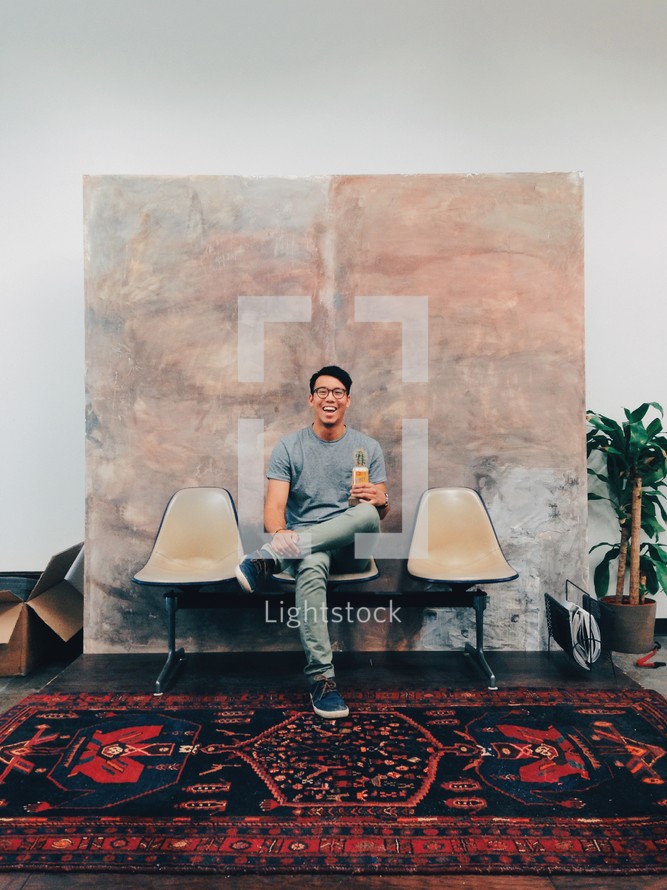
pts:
[509, 782]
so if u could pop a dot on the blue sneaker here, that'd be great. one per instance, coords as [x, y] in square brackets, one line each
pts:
[252, 573]
[327, 700]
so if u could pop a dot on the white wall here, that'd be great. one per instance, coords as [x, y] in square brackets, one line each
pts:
[294, 87]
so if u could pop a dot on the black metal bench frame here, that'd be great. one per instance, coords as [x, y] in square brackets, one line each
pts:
[393, 585]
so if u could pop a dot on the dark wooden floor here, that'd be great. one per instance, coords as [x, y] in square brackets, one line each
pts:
[226, 672]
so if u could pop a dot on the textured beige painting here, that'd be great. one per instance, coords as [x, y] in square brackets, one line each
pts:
[456, 304]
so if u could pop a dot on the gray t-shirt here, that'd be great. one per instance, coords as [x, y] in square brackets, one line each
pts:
[320, 472]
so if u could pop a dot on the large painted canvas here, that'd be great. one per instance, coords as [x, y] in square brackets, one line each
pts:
[454, 301]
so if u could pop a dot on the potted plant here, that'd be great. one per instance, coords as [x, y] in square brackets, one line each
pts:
[630, 460]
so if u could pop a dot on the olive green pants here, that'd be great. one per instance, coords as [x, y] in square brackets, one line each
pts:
[326, 544]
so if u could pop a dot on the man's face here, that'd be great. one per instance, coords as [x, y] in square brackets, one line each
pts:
[329, 409]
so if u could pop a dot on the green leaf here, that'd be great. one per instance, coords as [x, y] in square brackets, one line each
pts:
[647, 569]
[601, 573]
[663, 512]
[652, 527]
[657, 553]
[599, 476]
[601, 577]
[654, 427]
[605, 544]
[661, 574]
[637, 414]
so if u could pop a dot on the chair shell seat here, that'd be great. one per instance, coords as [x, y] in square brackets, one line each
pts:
[198, 540]
[454, 540]
[368, 574]
[163, 570]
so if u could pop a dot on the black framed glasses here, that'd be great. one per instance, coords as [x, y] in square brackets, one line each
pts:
[323, 391]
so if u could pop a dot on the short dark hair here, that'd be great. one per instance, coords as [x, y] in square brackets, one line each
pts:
[332, 371]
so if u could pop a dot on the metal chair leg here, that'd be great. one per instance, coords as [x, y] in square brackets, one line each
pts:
[175, 656]
[477, 651]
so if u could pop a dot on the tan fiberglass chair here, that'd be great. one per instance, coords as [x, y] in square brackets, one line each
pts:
[198, 543]
[454, 543]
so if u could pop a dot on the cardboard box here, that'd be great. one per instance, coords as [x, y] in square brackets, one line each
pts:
[39, 614]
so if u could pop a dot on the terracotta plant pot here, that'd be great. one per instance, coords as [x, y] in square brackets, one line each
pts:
[633, 628]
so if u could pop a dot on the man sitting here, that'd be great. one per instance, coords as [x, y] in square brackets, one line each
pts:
[308, 512]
